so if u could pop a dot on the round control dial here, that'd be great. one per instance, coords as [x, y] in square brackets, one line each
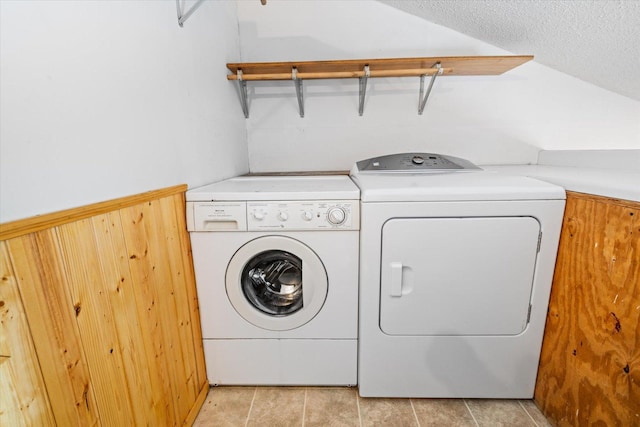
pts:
[259, 215]
[336, 215]
[417, 160]
[307, 215]
[283, 216]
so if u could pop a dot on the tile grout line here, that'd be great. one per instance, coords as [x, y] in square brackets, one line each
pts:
[358, 405]
[414, 412]
[253, 399]
[304, 406]
[527, 412]
[471, 412]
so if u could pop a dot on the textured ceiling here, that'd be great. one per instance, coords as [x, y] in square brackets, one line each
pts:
[597, 41]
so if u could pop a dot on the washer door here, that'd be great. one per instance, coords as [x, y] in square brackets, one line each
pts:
[276, 283]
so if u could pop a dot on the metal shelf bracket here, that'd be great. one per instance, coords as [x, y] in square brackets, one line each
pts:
[298, 84]
[184, 16]
[363, 88]
[380, 67]
[242, 86]
[422, 101]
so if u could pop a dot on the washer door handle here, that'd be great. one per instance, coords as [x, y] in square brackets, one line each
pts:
[396, 279]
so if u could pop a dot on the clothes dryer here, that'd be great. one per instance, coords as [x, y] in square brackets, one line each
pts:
[276, 266]
[456, 266]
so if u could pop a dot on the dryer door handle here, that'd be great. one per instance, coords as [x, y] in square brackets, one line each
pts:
[396, 279]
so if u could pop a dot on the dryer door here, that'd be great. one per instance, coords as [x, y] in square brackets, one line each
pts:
[457, 276]
[276, 283]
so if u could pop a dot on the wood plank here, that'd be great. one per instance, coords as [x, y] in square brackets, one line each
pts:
[414, 72]
[23, 396]
[9, 230]
[122, 293]
[459, 65]
[38, 265]
[168, 281]
[120, 281]
[181, 304]
[95, 318]
[608, 200]
[590, 362]
[190, 291]
[150, 317]
[188, 320]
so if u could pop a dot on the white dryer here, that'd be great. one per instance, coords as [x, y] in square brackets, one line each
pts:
[456, 266]
[276, 265]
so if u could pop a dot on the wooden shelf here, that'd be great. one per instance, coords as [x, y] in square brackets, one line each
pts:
[387, 67]
[365, 68]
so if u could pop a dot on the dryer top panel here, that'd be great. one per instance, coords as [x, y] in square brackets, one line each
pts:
[248, 188]
[475, 186]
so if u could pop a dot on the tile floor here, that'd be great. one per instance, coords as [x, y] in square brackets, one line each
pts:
[340, 406]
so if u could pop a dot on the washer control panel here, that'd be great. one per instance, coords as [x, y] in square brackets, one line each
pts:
[303, 215]
[273, 215]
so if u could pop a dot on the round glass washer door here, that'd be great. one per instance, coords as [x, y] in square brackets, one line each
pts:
[276, 283]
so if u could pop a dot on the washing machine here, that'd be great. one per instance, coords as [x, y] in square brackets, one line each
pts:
[456, 265]
[276, 266]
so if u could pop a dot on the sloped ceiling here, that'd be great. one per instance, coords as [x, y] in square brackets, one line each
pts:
[597, 41]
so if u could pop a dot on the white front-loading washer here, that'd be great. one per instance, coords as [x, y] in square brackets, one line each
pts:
[276, 265]
[456, 266]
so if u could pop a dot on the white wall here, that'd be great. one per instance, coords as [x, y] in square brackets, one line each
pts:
[102, 99]
[489, 120]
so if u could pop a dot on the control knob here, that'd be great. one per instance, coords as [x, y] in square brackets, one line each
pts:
[417, 160]
[283, 216]
[307, 215]
[258, 215]
[336, 215]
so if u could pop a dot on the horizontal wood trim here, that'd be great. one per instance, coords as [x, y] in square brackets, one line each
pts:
[9, 230]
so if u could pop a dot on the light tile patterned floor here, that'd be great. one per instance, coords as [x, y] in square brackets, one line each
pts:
[338, 406]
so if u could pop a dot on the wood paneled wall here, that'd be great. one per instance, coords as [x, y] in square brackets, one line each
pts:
[590, 364]
[102, 302]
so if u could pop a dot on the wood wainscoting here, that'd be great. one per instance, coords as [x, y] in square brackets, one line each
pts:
[99, 316]
[590, 364]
